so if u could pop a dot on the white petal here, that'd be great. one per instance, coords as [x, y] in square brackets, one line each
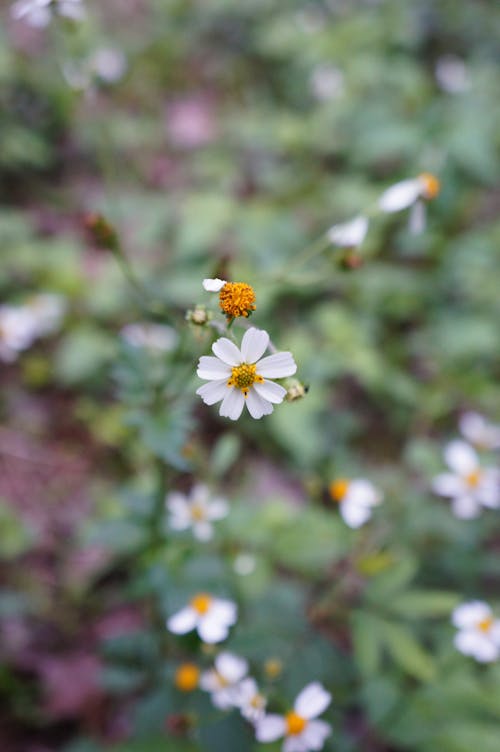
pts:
[210, 681]
[177, 503]
[418, 218]
[312, 701]
[232, 404]
[400, 196]
[270, 728]
[270, 391]
[295, 744]
[447, 484]
[231, 667]
[257, 406]
[217, 509]
[183, 621]
[465, 507]
[461, 457]
[224, 610]
[488, 491]
[354, 514]
[211, 368]
[349, 234]
[227, 351]
[254, 344]
[277, 366]
[203, 531]
[470, 614]
[199, 495]
[212, 630]
[315, 734]
[213, 392]
[179, 522]
[213, 285]
[477, 645]
[363, 493]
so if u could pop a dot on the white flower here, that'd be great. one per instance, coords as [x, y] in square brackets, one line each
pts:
[223, 681]
[196, 511]
[48, 310]
[242, 377]
[451, 74]
[356, 499]
[154, 337]
[209, 615]
[17, 331]
[109, 64]
[479, 631]
[250, 701]
[479, 431]
[300, 728]
[349, 234]
[406, 193]
[469, 485]
[244, 564]
[327, 82]
[38, 13]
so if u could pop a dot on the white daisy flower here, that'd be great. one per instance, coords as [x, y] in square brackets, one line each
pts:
[356, 499]
[209, 615]
[157, 338]
[196, 511]
[242, 377]
[470, 486]
[406, 193]
[17, 331]
[300, 728]
[349, 234]
[479, 631]
[250, 701]
[223, 681]
[479, 431]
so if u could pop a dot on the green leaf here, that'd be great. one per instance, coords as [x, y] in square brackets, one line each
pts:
[368, 640]
[407, 652]
[424, 603]
[386, 585]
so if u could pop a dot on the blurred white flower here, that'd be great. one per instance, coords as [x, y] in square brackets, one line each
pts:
[250, 701]
[479, 631]
[349, 234]
[300, 728]
[38, 13]
[242, 377]
[327, 82]
[196, 511]
[451, 74]
[470, 486]
[479, 431]
[109, 64]
[48, 310]
[404, 194]
[17, 331]
[356, 499]
[155, 337]
[209, 615]
[223, 681]
[244, 564]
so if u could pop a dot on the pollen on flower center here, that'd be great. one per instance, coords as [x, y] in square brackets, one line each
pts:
[294, 723]
[486, 624]
[430, 185]
[237, 299]
[473, 478]
[243, 376]
[338, 488]
[201, 603]
[197, 513]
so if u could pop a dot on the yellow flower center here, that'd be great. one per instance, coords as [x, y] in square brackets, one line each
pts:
[186, 677]
[201, 603]
[243, 376]
[338, 488]
[430, 185]
[197, 512]
[273, 667]
[237, 299]
[486, 624]
[257, 702]
[294, 723]
[473, 478]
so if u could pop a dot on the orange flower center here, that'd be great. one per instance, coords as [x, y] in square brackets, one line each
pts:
[201, 603]
[486, 624]
[294, 723]
[186, 677]
[237, 299]
[243, 376]
[430, 185]
[473, 478]
[338, 488]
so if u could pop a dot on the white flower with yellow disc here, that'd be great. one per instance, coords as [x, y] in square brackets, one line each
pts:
[223, 680]
[356, 499]
[210, 616]
[197, 511]
[478, 631]
[243, 377]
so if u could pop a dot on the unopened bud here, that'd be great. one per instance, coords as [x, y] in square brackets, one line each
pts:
[198, 315]
[296, 390]
[101, 233]
[350, 260]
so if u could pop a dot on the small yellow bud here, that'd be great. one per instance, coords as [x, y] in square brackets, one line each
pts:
[186, 677]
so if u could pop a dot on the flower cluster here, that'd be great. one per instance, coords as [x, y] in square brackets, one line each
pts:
[21, 325]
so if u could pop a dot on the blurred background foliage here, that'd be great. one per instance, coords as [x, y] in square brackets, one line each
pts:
[237, 134]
